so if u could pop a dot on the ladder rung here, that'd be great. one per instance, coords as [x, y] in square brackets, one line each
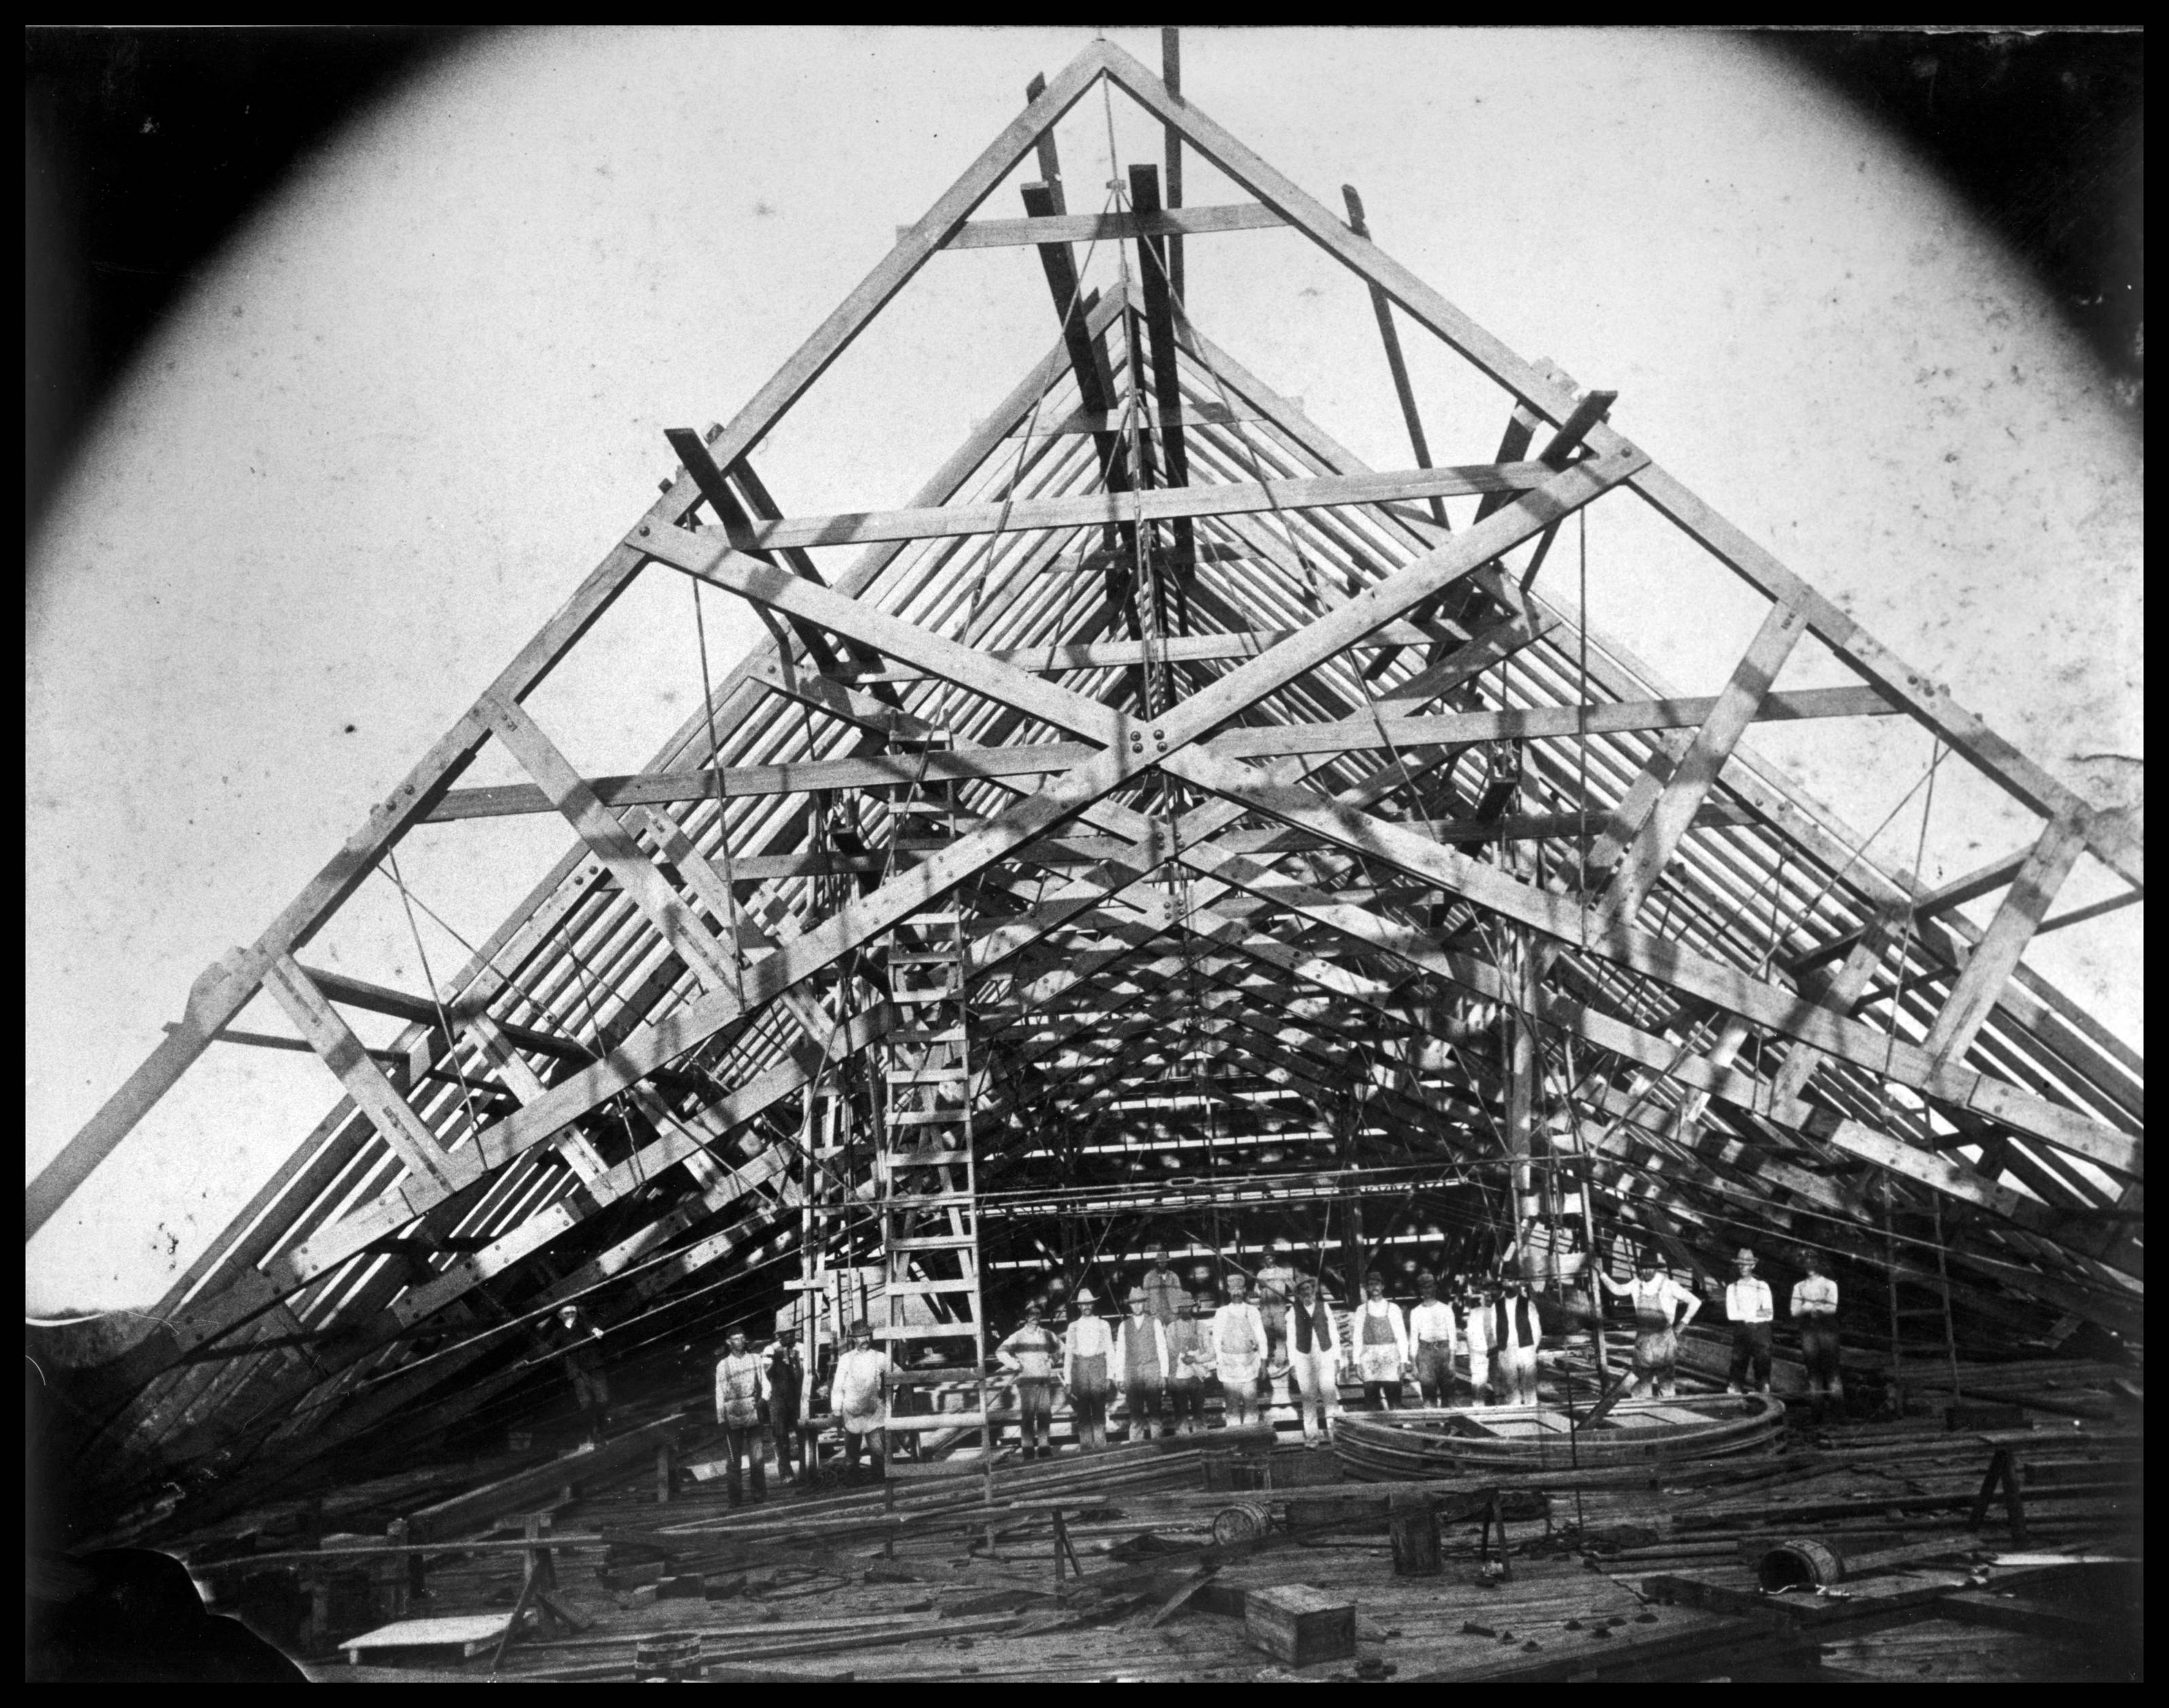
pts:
[933, 1242]
[913, 1034]
[924, 999]
[929, 1117]
[924, 957]
[926, 1158]
[927, 1075]
[927, 1331]
[927, 1200]
[968, 1284]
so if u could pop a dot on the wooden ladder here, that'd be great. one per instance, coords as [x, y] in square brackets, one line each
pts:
[925, 1168]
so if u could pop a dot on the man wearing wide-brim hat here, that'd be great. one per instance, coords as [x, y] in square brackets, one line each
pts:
[1141, 1364]
[1752, 1310]
[1087, 1352]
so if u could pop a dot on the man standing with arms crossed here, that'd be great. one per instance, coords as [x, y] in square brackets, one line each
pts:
[1814, 1305]
[1163, 1289]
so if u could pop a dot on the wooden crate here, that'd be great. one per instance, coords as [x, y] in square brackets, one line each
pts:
[1299, 1626]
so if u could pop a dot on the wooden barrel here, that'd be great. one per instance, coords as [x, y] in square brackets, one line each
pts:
[1414, 1527]
[1798, 1563]
[1246, 1522]
[674, 1657]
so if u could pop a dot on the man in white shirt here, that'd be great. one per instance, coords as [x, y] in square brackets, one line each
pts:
[1657, 1300]
[1432, 1330]
[1238, 1353]
[1381, 1345]
[1087, 1371]
[1750, 1310]
[1815, 1307]
[1476, 1333]
[741, 1393]
[858, 1393]
[1515, 1329]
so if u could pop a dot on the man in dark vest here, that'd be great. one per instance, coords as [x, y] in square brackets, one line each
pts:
[1141, 1366]
[787, 1389]
[1313, 1345]
[1515, 1329]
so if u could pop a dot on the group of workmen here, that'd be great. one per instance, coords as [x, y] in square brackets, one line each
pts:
[1461, 1342]
[1171, 1342]
[1662, 1308]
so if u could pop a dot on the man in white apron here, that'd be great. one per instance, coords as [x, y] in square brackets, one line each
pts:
[1238, 1353]
[1381, 1345]
[1657, 1300]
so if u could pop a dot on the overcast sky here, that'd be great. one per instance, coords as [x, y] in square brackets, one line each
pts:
[421, 395]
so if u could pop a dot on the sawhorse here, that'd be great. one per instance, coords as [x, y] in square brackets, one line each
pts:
[538, 1589]
[2006, 1468]
[1065, 1551]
